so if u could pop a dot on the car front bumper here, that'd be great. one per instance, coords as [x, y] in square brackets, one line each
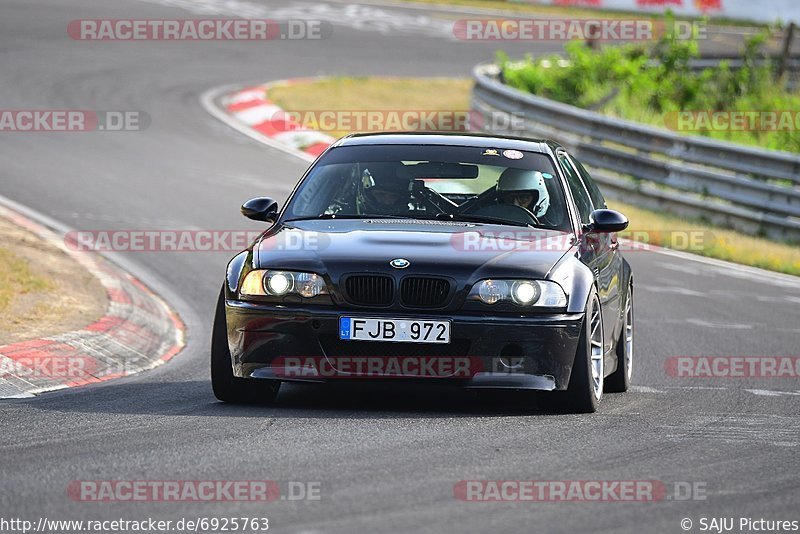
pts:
[505, 352]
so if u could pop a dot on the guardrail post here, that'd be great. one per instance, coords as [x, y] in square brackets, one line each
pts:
[787, 49]
[592, 34]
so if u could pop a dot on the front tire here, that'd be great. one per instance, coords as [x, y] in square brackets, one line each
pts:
[586, 382]
[620, 380]
[226, 386]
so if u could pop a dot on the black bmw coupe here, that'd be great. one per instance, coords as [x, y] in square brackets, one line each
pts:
[484, 261]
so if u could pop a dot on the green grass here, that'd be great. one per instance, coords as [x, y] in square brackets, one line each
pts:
[17, 277]
[676, 233]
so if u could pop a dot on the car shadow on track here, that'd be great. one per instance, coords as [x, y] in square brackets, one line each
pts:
[352, 400]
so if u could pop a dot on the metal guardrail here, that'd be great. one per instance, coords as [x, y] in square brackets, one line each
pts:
[749, 189]
[791, 66]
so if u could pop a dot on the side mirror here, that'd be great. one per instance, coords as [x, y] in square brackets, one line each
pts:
[260, 209]
[606, 221]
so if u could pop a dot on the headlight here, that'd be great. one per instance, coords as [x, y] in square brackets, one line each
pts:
[278, 283]
[491, 291]
[524, 292]
[309, 284]
[253, 284]
[269, 283]
[543, 293]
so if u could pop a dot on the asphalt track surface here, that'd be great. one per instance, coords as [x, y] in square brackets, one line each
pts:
[387, 458]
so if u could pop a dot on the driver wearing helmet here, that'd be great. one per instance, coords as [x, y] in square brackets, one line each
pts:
[385, 191]
[524, 188]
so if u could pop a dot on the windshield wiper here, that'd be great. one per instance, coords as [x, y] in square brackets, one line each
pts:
[460, 217]
[334, 216]
[465, 217]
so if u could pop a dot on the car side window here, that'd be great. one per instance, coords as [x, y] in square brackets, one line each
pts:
[591, 186]
[579, 195]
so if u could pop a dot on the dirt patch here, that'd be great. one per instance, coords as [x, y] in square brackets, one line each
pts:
[49, 293]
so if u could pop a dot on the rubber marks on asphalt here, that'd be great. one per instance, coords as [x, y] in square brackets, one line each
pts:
[744, 429]
[138, 332]
[383, 20]
[254, 110]
[680, 389]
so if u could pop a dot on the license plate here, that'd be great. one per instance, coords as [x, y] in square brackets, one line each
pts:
[401, 330]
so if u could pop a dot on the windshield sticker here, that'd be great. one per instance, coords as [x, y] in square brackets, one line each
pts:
[491, 152]
[512, 154]
[547, 175]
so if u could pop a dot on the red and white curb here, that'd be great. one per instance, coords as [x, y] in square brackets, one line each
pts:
[138, 332]
[251, 112]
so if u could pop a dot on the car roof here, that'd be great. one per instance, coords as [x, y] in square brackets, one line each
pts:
[478, 140]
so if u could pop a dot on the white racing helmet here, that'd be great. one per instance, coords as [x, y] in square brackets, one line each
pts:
[521, 180]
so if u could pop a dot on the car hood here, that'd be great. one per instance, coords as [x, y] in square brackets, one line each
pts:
[463, 251]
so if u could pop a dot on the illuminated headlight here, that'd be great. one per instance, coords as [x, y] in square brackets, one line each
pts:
[279, 283]
[542, 293]
[525, 292]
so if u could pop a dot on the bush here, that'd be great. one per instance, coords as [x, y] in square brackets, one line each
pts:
[632, 82]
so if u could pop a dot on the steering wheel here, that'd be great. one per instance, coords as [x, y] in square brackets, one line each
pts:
[433, 199]
[511, 212]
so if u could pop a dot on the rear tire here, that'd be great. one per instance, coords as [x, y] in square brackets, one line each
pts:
[585, 388]
[226, 386]
[620, 380]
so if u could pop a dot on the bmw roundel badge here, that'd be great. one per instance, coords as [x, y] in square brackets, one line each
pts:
[400, 263]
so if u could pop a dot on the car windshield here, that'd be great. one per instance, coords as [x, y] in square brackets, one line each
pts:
[476, 184]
